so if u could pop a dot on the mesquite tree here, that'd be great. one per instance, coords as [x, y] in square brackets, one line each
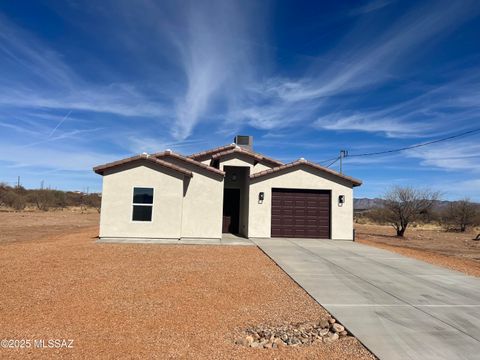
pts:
[461, 214]
[404, 205]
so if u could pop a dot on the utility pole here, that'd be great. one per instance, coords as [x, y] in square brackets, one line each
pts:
[41, 185]
[343, 153]
[18, 181]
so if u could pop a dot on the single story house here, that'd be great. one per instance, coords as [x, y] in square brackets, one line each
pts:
[229, 189]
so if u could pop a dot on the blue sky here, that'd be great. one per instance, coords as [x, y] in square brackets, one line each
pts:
[87, 82]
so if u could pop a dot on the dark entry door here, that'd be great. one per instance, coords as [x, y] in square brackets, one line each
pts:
[231, 211]
[299, 213]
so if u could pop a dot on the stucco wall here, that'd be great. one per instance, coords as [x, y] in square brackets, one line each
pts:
[300, 178]
[117, 196]
[202, 203]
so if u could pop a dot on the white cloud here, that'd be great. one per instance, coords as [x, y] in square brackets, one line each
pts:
[450, 156]
[371, 7]
[363, 61]
[60, 157]
[371, 123]
[34, 76]
[216, 57]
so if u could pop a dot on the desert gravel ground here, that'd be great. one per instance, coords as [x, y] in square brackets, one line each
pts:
[456, 251]
[149, 301]
[36, 225]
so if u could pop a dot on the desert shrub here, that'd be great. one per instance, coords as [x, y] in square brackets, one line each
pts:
[377, 216]
[47, 199]
[44, 199]
[460, 215]
[13, 200]
[92, 200]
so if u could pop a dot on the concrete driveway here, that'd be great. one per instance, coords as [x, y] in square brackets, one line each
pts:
[398, 307]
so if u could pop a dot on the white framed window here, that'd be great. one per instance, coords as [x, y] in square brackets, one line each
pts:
[142, 204]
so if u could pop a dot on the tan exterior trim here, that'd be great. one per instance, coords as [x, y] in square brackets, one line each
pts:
[355, 182]
[101, 168]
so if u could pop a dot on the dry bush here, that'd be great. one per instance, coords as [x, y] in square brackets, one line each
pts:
[405, 205]
[377, 216]
[92, 200]
[47, 199]
[12, 199]
[460, 215]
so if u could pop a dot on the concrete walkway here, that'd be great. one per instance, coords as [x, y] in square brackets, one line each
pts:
[398, 307]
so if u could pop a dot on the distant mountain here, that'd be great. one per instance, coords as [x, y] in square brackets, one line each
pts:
[366, 203]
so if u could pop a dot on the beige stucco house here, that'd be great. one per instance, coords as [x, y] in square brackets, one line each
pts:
[229, 189]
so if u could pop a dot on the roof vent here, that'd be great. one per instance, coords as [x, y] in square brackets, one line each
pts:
[244, 141]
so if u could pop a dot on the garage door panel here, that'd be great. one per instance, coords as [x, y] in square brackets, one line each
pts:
[300, 213]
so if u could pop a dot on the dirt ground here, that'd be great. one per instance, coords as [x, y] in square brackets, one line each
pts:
[34, 225]
[456, 251]
[143, 301]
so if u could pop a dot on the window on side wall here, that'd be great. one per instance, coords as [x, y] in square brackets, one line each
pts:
[142, 204]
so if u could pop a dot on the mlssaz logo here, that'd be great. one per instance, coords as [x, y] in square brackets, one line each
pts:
[54, 344]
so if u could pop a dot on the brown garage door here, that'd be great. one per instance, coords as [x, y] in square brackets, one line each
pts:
[301, 213]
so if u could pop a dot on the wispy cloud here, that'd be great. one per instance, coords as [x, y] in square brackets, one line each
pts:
[371, 6]
[217, 60]
[450, 156]
[48, 82]
[360, 64]
[366, 59]
[372, 123]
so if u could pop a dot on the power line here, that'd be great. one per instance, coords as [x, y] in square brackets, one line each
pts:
[328, 160]
[466, 133]
[336, 159]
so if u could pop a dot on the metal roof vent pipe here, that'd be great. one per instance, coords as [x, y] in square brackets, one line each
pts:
[244, 141]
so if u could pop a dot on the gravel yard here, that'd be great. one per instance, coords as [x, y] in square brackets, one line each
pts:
[147, 301]
[456, 251]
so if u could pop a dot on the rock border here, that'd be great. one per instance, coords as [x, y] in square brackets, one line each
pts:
[293, 334]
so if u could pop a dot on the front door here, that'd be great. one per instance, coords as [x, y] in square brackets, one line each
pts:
[231, 211]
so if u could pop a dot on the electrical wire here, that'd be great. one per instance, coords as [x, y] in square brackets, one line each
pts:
[338, 158]
[328, 160]
[466, 133]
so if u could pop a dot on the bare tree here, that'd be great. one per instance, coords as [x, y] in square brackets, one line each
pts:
[404, 205]
[461, 214]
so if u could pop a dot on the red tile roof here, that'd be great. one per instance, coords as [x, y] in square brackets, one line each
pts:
[256, 156]
[205, 154]
[188, 160]
[101, 168]
[300, 162]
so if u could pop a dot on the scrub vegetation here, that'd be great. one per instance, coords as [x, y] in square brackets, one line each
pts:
[404, 207]
[18, 198]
